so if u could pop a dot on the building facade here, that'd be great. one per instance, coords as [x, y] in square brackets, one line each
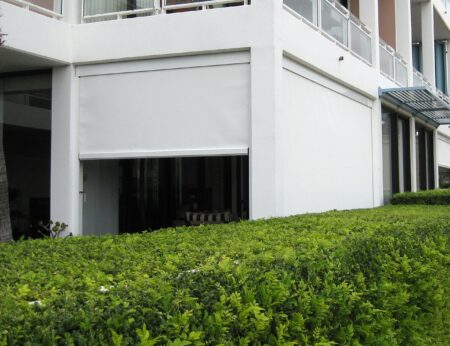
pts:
[121, 116]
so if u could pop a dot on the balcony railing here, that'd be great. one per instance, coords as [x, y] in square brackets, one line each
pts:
[392, 65]
[420, 81]
[445, 4]
[336, 23]
[50, 8]
[101, 10]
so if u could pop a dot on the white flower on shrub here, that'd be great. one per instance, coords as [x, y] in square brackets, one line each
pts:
[35, 303]
[103, 289]
[193, 271]
[190, 271]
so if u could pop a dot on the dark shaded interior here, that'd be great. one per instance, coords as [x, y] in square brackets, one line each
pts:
[26, 130]
[157, 193]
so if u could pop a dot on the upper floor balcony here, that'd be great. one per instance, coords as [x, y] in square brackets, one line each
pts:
[336, 23]
[393, 65]
[50, 8]
[100, 10]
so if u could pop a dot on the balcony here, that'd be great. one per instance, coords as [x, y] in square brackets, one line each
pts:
[420, 81]
[49, 8]
[445, 4]
[392, 65]
[101, 10]
[336, 23]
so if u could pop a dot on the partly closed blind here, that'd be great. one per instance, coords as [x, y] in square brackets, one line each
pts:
[92, 7]
[179, 110]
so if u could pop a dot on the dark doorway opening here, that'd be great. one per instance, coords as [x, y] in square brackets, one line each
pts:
[26, 135]
[150, 194]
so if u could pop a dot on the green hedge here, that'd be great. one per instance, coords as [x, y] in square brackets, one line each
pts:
[370, 277]
[431, 197]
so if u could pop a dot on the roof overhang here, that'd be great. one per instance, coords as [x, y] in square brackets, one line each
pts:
[420, 102]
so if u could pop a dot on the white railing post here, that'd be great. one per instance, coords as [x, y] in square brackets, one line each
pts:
[349, 33]
[395, 68]
[319, 14]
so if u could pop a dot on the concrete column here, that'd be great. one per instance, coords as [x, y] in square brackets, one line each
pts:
[447, 65]
[65, 169]
[266, 74]
[436, 163]
[412, 144]
[404, 34]
[377, 154]
[72, 11]
[368, 14]
[427, 15]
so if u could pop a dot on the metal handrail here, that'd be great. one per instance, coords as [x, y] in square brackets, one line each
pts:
[396, 58]
[350, 20]
[36, 8]
[423, 81]
[160, 7]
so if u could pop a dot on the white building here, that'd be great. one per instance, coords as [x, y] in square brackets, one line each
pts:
[123, 115]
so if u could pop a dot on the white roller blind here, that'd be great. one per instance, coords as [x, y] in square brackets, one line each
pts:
[165, 113]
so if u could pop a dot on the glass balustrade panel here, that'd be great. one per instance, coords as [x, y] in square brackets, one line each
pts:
[361, 43]
[334, 23]
[306, 8]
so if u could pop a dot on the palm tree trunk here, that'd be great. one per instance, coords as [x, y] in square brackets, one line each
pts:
[5, 220]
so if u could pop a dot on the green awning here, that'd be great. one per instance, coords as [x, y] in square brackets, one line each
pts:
[421, 102]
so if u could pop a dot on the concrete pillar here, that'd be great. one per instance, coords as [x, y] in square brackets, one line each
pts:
[447, 65]
[377, 154]
[72, 11]
[266, 74]
[412, 144]
[65, 169]
[427, 16]
[436, 163]
[368, 14]
[404, 34]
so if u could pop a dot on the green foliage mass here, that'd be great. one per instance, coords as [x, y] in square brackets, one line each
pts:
[368, 277]
[430, 197]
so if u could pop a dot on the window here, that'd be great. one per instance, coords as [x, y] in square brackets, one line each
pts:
[440, 64]
[396, 154]
[25, 129]
[417, 56]
[444, 178]
[425, 158]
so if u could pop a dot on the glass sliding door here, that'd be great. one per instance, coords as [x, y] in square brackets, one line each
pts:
[396, 154]
[387, 157]
[444, 177]
[441, 70]
[425, 158]
[404, 154]
[133, 195]
[25, 130]
[417, 56]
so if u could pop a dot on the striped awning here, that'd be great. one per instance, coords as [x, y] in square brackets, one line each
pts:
[432, 107]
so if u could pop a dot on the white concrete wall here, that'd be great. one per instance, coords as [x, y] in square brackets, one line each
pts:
[35, 34]
[443, 146]
[323, 56]
[324, 145]
[65, 171]
[443, 151]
